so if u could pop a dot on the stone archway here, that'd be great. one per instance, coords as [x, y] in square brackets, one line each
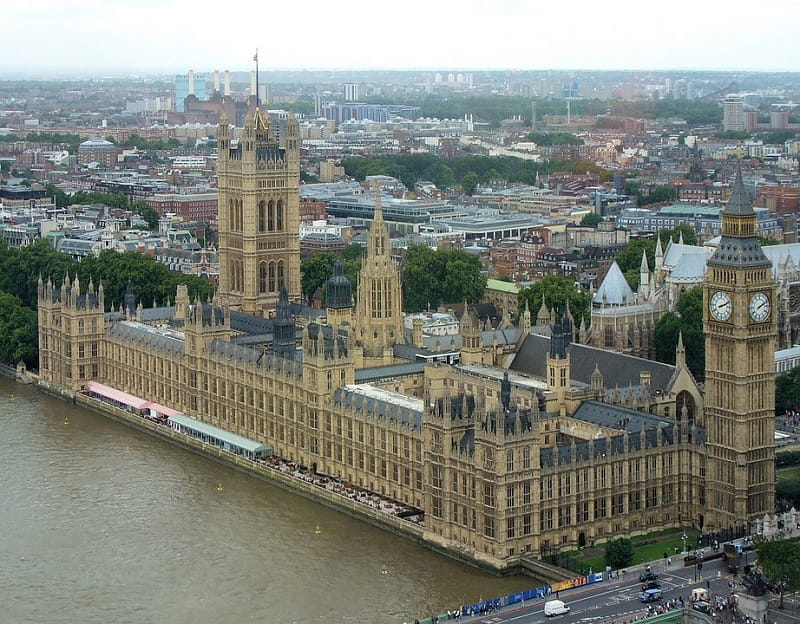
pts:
[581, 540]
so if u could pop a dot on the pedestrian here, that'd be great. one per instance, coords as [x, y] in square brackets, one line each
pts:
[669, 561]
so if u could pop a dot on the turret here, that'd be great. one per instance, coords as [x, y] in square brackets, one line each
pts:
[644, 279]
[129, 301]
[526, 318]
[223, 134]
[543, 316]
[416, 333]
[598, 386]
[283, 327]
[292, 136]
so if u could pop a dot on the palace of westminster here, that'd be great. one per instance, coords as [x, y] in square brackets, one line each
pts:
[530, 443]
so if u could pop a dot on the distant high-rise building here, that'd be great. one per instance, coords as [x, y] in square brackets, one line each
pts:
[570, 90]
[779, 119]
[733, 113]
[750, 120]
[186, 85]
[533, 116]
[350, 92]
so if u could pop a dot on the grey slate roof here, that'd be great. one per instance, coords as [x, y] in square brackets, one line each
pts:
[250, 324]
[615, 289]
[378, 408]
[618, 417]
[617, 369]
[691, 265]
[150, 336]
[369, 375]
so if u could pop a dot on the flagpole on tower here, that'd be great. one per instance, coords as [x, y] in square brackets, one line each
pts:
[255, 58]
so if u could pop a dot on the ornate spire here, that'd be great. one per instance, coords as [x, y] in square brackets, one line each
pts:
[680, 352]
[739, 202]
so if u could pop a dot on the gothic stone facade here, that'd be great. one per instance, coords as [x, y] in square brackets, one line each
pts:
[504, 466]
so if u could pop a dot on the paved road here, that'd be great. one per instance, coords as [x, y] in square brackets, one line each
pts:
[615, 600]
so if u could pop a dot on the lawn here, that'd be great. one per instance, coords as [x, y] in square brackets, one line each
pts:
[656, 544]
[789, 483]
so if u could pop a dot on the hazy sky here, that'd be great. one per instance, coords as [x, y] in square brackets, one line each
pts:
[168, 36]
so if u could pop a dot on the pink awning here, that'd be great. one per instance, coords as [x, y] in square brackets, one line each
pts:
[161, 409]
[116, 395]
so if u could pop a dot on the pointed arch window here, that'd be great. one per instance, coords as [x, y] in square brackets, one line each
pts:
[279, 216]
[280, 273]
[262, 277]
[271, 216]
[271, 277]
[262, 216]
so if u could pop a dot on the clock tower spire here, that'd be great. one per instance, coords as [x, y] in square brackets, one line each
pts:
[740, 329]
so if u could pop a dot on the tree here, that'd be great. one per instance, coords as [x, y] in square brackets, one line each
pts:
[20, 269]
[689, 322]
[354, 251]
[659, 194]
[59, 196]
[431, 278]
[554, 138]
[19, 335]
[687, 231]
[779, 561]
[470, 182]
[147, 212]
[787, 391]
[618, 553]
[591, 219]
[315, 272]
[440, 174]
[557, 292]
[463, 280]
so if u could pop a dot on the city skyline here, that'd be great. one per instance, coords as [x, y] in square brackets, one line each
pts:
[90, 37]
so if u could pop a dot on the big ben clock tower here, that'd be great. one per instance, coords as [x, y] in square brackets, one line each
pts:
[740, 329]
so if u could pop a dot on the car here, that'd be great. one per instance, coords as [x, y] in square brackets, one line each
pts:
[647, 575]
[651, 585]
[651, 595]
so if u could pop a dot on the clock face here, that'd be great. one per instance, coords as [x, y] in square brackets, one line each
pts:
[759, 307]
[720, 306]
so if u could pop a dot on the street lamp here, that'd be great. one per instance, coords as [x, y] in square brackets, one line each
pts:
[684, 537]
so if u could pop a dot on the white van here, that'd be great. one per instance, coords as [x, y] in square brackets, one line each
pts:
[555, 607]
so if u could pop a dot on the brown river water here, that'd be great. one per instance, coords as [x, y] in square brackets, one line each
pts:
[100, 523]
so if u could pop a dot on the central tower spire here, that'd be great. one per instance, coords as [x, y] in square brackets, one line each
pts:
[379, 317]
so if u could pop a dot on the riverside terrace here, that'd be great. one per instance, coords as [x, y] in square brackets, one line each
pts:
[233, 444]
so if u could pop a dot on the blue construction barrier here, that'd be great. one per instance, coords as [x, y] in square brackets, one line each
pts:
[537, 593]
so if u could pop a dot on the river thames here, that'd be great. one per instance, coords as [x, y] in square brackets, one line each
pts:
[102, 523]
